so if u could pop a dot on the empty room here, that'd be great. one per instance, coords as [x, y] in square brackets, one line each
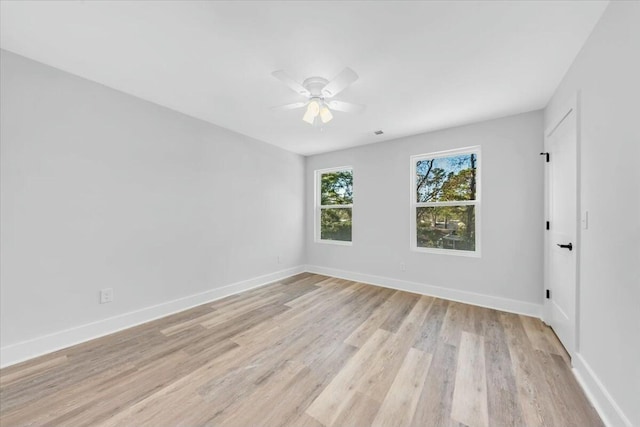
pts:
[320, 213]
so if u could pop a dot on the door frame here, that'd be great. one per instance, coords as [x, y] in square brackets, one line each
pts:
[571, 105]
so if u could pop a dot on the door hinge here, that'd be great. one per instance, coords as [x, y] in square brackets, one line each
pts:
[545, 154]
[548, 225]
[548, 294]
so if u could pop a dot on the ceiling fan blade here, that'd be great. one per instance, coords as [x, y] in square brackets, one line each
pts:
[286, 79]
[347, 107]
[287, 107]
[339, 83]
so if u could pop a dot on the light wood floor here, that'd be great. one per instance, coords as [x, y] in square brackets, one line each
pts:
[308, 351]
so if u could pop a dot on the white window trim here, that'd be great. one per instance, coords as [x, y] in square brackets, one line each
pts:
[318, 207]
[413, 244]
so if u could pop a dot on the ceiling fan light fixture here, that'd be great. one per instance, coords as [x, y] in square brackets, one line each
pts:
[308, 117]
[313, 109]
[325, 115]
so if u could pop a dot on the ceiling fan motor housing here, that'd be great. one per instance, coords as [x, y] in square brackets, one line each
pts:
[315, 85]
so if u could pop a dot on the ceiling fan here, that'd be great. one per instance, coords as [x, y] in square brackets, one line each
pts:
[319, 93]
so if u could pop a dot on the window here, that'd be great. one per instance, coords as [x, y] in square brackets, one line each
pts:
[445, 202]
[334, 205]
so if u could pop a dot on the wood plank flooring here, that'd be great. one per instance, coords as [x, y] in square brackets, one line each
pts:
[307, 351]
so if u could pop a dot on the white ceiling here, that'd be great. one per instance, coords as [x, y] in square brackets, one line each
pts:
[422, 65]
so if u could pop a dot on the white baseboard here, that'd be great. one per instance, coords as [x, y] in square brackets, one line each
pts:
[498, 303]
[607, 408]
[19, 352]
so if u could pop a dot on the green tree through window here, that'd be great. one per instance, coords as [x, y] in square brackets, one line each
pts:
[446, 200]
[335, 204]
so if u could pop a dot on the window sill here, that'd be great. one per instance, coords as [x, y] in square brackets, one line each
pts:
[335, 242]
[468, 254]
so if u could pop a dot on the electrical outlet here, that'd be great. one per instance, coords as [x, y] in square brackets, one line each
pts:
[106, 295]
[403, 266]
[279, 259]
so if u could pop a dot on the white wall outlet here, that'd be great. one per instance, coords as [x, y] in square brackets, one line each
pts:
[279, 259]
[585, 220]
[403, 266]
[106, 295]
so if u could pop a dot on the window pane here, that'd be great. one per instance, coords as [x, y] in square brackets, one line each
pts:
[446, 178]
[450, 227]
[336, 188]
[335, 224]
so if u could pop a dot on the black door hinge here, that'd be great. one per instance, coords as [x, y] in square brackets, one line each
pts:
[548, 294]
[547, 225]
[545, 154]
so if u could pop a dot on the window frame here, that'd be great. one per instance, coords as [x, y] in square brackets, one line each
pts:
[319, 206]
[414, 204]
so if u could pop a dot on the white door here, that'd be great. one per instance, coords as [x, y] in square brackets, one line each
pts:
[561, 245]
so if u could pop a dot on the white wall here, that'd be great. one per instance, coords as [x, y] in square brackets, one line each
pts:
[101, 189]
[512, 215]
[607, 75]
